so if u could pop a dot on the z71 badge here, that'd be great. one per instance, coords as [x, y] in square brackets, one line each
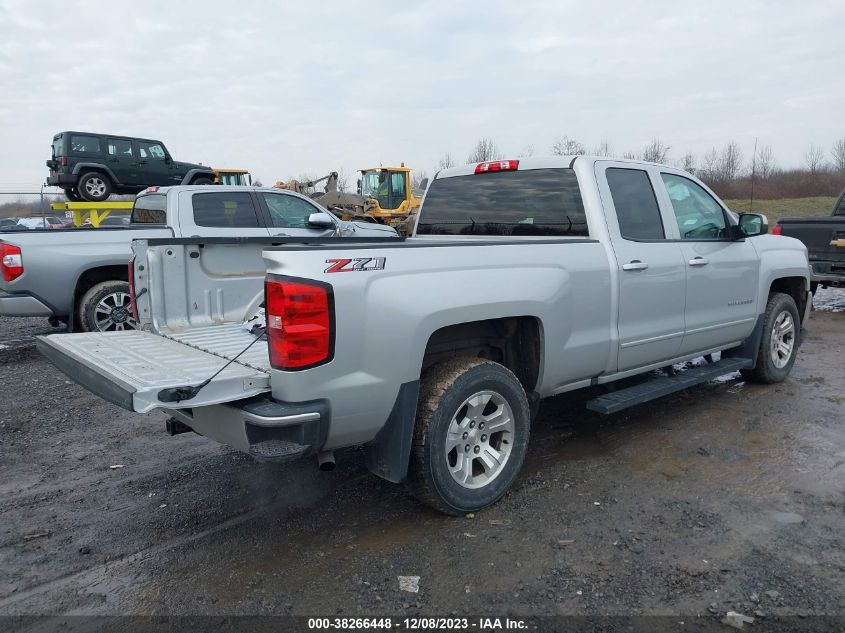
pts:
[355, 265]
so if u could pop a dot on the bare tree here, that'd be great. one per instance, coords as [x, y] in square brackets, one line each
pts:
[765, 163]
[342, 181]
[446, 162]
[566, 146]
[528, 151]
[656, 151]
[630, 155]
[730, 162]
[417, 179]
[814, 157]
[688, 162]
[710, 167]
[485, 149]
[604, 149]
[838, 153]
[257, 183]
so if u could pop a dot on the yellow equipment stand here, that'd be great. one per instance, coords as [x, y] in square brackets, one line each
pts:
[95, 211]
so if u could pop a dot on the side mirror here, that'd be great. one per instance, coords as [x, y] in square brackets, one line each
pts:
[751, 225]
[359, 186]
[167, 159]
[320, 220]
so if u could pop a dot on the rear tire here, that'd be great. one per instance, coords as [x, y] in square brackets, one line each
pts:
[72, 194]
[470, 436]
[202, 181]
[779, 343]
[94, 186]
[105, 307]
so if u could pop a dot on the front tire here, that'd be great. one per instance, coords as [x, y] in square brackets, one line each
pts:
[105, 307]
[779, 343]
[470, 436]
[94, 187]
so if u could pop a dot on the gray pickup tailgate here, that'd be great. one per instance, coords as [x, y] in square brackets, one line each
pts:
[130, 368]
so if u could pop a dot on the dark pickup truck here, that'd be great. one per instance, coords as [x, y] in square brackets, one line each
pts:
[824, 238]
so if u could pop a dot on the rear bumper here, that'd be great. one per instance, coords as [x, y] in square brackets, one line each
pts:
[61, 180]
[831, 273]
[23, 305]
[262, 427]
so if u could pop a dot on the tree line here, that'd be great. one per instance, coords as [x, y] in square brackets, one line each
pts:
[728, 170]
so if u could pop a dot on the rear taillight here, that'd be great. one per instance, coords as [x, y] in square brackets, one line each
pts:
[132, 305]
[11, 262]
[300, 322]
[776, 230]
[496, 165]
[63, 161]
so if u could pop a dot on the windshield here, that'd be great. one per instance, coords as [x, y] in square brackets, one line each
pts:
[370, 181]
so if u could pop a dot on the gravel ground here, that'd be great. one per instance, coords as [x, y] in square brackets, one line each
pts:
[726, 497]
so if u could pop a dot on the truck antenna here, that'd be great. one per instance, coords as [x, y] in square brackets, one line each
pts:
[753, 173]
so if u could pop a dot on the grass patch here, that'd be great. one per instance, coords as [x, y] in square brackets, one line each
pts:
[786, 207]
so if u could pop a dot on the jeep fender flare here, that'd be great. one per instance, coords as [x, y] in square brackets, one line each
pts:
[80, 167]
[193, 173]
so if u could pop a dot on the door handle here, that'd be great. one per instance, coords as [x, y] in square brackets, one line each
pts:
[635, 264]
[698, 261]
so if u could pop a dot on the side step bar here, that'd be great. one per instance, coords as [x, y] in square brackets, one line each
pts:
[664, 385]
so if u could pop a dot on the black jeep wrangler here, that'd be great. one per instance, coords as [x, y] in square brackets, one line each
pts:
[93, 166]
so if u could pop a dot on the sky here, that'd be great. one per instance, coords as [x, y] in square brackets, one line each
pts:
[292, 88]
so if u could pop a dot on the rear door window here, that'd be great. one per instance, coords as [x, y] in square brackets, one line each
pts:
[84, 144]
[541, 202]
[636, 206]
[120, 147]
[226, 209]
[150, 209]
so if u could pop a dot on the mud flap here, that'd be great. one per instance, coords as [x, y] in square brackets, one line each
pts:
[388, 454]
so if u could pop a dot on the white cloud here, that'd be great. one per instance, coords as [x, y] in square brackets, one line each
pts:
[303, 87]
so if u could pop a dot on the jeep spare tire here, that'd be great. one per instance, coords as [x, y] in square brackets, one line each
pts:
[94, 187]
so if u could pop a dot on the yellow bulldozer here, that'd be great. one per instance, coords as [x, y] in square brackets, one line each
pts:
[385, 195]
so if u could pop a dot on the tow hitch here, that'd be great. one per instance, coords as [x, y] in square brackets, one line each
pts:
[175, 427]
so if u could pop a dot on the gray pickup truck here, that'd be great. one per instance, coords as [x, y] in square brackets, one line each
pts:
[80, 276]
[524, 279]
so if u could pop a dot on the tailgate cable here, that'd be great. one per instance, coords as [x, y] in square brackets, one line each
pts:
[186, 392]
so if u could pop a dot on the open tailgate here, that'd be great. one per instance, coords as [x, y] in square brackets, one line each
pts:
[130, 368]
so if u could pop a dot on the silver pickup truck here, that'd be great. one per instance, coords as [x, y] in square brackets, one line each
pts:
[524, 279]
[79, 276]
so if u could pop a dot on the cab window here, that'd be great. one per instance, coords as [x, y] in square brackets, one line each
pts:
[228, 210]
[149, 209]
[698, 214]
[288, 211]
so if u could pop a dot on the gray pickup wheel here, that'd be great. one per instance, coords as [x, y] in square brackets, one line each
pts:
[94, 186]
[470, 436]
[106, 307]
[779, 343]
